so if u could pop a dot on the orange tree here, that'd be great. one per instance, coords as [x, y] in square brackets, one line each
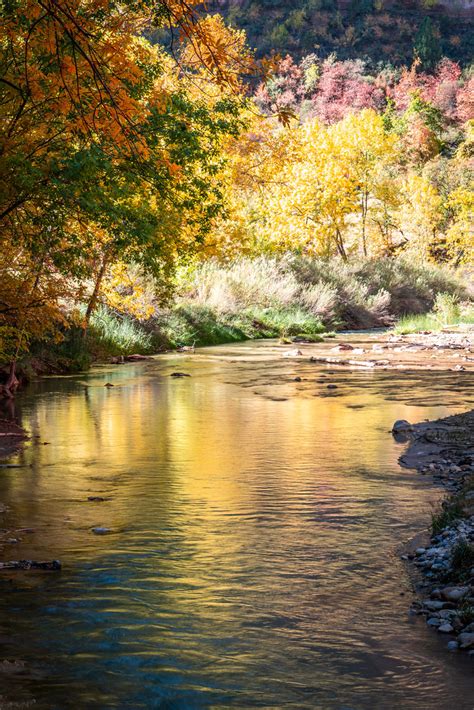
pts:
[108, 151]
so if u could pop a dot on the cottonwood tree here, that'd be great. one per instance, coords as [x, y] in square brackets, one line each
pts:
[106, 152]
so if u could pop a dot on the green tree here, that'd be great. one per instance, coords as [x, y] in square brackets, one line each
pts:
[427, 46]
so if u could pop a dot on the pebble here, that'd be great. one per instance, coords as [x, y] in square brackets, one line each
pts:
[101, 531]
[453, 646]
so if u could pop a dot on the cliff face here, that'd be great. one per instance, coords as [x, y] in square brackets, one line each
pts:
[377, 30]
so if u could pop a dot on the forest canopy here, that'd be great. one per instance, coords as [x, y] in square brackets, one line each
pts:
[121, 154]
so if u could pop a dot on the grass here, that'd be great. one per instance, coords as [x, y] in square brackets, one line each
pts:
[190, 323]
[359, 294]
[447, 311]
[116, 334]
[288, 297]
[466, 613]
[109, 335]
[463, 556]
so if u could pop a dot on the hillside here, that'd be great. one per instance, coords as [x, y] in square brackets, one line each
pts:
[377, 30]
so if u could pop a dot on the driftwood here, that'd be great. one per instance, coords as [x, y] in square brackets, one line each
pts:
[353, 363]
[27, 565]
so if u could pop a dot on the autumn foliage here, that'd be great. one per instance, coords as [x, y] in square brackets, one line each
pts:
[109, 150]
[121, 156]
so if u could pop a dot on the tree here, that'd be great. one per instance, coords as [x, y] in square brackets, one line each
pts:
[108, 151]
[420, 216]
[427, 46]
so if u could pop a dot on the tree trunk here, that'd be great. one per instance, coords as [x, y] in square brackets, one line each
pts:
[10, 387]
[365, 204]
[95, 293]
[340, 245]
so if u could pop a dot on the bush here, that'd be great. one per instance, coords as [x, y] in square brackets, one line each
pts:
[359, 294]
[451, 510]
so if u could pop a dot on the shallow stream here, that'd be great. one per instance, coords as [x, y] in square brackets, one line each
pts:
[256, 526]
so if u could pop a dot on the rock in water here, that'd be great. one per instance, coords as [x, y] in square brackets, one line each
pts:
[401, 425]
[179, 374]
[445, 629]
[466, 640]
[101, 531]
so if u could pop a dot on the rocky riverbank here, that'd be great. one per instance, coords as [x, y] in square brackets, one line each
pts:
[450, 349]
[444, 449]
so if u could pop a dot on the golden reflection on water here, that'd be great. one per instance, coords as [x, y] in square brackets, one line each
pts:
[245, 509]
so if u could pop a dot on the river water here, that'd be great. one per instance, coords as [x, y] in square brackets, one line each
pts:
[256, 526]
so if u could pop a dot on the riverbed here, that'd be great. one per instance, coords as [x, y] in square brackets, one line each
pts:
[255, 513]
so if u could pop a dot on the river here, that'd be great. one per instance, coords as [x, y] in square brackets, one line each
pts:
[256, 524]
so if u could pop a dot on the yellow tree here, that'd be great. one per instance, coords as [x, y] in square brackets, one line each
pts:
[460, 233]
[367, 151]
[419, 216]
[327, 184]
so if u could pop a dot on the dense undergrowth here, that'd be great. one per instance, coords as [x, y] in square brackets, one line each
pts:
[264, 297]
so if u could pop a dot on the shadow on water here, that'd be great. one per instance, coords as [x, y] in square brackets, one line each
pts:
[254, 527]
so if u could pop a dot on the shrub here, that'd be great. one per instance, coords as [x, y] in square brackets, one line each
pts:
[463, 556]
[450, 511]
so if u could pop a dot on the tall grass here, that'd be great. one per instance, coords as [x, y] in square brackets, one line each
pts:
[266, 297]
[357, 294]
[447, 311]
[116, 334]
